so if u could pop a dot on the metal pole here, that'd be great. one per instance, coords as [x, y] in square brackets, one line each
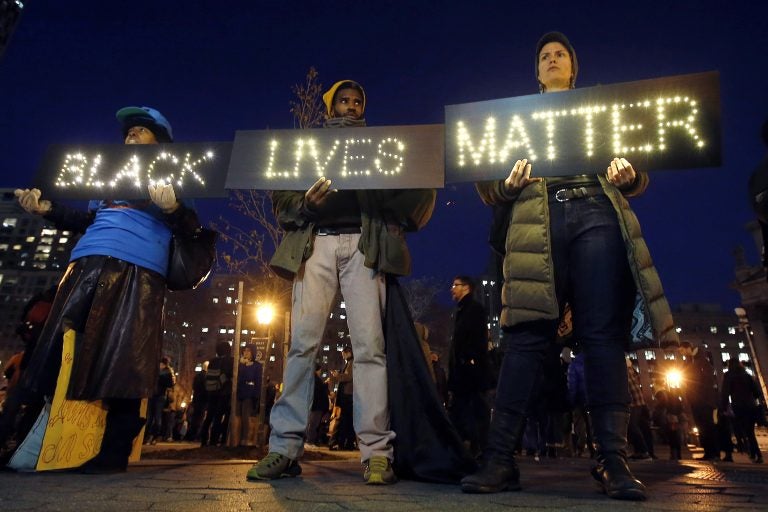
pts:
[236, 366]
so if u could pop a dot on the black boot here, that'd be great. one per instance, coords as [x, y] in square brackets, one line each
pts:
[610, 435]
[498, 471]
[120, 430]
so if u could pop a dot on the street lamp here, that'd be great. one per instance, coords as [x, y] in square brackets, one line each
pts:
[264, 315]
[674, 378]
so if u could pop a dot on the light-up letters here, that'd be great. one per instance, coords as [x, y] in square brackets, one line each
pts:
[585, 118]
[355, 154]
[353, 158]
[124, 171]
[664, 123]
[164, 168]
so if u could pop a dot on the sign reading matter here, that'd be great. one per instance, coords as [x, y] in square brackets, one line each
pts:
[123, 171]
[352, 158]
[666, 123]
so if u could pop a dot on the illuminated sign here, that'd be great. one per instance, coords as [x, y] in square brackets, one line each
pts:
[123, 171]
[353, 158]
[666, 123]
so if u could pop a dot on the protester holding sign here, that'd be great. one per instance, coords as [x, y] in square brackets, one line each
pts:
[572, 239]
[112, 295]
[345, 239]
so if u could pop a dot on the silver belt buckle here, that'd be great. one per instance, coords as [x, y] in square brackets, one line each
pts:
[560, 195]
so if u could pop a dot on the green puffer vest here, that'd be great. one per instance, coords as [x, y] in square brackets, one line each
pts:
[528, 292]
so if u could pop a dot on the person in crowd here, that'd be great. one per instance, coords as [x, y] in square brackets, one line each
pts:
[741, 397]
[668, 417]
[199, 402]
[702, 395]
[639, 432]
[218, 384]
[577, 398]
[348, 239]
[468, 368]
[342, 435]
[160, 403]
[441, 379]
[320, 407]
[112, 295]
[248, 392]
[571, 239]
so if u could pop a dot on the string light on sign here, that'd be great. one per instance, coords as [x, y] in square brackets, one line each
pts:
[667, 114]
[73, 172]
[517, 136]
[79, 171]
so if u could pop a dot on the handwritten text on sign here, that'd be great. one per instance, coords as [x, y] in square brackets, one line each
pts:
[353, 158]
[656, 124]
[124, 171]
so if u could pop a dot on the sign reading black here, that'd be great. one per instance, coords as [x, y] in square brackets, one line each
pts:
[665, 123]
[123, 171]
[352, 158]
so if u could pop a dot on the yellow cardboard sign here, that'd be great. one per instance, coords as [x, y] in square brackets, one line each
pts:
[75, 427]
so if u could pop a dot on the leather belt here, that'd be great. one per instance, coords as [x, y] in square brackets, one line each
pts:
[337, 230]
[567, 194]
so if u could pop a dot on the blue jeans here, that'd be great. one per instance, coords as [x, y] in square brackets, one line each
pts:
[592, 274]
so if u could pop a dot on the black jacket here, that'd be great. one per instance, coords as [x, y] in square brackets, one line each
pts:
[469, 368]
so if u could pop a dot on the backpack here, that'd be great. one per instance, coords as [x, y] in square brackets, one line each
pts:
[215, 379]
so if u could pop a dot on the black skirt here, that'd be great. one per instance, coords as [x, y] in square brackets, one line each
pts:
[116, 308]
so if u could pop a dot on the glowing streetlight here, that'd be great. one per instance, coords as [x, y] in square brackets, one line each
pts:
[674, 378]
[265, 313]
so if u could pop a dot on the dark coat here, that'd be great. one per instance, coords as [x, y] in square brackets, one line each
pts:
[116, 308]
[469, 366]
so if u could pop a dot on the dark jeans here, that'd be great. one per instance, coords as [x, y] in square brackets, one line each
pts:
[471, 415]
[639, 433]
[708, 436]
[592, 274]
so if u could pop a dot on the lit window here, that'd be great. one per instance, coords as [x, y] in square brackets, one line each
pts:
[204, 329]
[669, 356]
[650, 355]
[743, 357]
[229, 300]
[731, 330]
[230, 331]
[749, 371]
[741, 344]
[50, 232]
[63, 240]
[713, 329]
[726, 356]
[678, 330]
[30, 239]
[185, 324]
[223, 330]
[343, 317]
[343, 305]
[722, 345]
[272, 358]
[326, 348]
[9, 222]
[17, 247]
[273, 345]
[215, 300]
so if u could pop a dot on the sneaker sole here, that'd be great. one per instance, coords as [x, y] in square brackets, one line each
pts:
[287, 474]
[379, 480]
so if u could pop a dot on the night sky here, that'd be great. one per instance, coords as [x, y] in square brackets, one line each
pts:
[216, 67]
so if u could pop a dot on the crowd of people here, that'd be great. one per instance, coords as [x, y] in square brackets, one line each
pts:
[572, 253]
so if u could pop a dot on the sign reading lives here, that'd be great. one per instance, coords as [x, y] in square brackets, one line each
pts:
[666, 123]
[378, 157]
[123, 171]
